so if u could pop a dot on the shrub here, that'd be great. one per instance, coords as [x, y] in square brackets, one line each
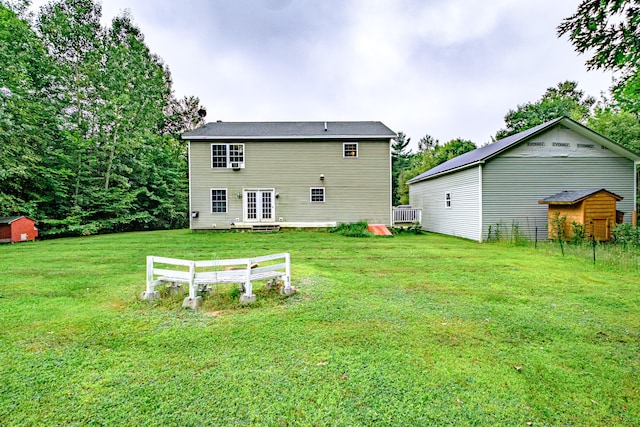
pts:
[496, 233]
[627, 235]
[354, 229]
[517, 235]
[557, 225]
[579, 233]
[412, 229]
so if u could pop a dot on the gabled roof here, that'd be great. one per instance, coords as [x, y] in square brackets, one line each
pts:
[290, 131]
[482, 154]
[571, 197]
[10, 219]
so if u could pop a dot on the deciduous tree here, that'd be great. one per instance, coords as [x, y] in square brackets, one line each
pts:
[607, 28]
[562, 100]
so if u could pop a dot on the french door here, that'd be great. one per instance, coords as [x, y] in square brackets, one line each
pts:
[258, 206]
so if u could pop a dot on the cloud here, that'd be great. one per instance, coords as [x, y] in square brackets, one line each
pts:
[448, 68]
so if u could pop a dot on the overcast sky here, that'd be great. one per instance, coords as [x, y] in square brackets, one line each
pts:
[448, 68]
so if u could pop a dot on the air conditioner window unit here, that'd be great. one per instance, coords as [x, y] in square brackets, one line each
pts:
[235, 165]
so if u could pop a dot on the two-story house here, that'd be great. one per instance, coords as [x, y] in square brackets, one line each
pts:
[289, 174]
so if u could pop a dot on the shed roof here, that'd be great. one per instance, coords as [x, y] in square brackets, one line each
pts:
[290, 130]
[571, 197]
[10, 219]
[482, 154]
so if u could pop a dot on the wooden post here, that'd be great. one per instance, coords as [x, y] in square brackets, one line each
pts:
[634, 218]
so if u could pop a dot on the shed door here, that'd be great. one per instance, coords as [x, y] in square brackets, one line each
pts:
[600, 229]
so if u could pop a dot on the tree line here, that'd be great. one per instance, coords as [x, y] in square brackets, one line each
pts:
[610, 31]
[89, 124]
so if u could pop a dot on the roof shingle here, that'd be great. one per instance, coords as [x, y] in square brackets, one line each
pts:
[290, 130]
[483, 153]
[571, 197]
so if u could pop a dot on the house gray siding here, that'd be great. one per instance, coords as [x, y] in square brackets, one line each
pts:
[557, 160]
[463, 217]
[355, 188]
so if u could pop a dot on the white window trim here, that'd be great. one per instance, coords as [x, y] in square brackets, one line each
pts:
[226, 200]
[447, 200]
[324, 195]
[344, 144]
[228, 154]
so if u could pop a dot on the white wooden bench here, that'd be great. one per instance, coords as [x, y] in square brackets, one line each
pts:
[199, 275]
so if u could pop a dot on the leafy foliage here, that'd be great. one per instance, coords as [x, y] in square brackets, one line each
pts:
[619, 126]
[626, 235]
[430, 155]
[578, 233]
[354, 229]
[90, 124]
[558, 228]
[609, 29]
[562, 100]
[626, 93]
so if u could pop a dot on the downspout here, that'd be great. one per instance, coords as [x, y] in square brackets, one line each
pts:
[634, 215]
[480, 201]
[190, 193]
[390, 184]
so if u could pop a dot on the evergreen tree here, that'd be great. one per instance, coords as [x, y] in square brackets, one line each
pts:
[399, 162]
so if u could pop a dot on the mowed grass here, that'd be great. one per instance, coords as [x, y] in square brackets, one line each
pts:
[409, 330]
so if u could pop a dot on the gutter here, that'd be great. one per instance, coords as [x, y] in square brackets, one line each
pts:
[634, 216]
[280, 137]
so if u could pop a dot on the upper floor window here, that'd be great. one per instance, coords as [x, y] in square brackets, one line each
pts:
[447, 200]
[227, 156]
[350, 149]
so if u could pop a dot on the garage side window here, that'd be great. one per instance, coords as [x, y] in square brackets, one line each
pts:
[447, 200]
[317, 194]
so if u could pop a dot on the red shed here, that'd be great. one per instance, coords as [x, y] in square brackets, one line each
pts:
[17, 229]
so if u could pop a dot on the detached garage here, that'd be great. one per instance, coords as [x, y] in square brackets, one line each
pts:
[500, 184]
[17, 229]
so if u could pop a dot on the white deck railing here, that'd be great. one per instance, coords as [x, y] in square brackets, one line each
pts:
[402, 215]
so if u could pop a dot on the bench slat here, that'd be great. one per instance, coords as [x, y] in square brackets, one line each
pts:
[183, 275]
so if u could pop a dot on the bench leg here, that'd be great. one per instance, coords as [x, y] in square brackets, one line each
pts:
[149, 296]
[248, 296]
[287, 289]
[150, 293]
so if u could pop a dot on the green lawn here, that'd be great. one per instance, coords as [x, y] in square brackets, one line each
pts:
[409, 330]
